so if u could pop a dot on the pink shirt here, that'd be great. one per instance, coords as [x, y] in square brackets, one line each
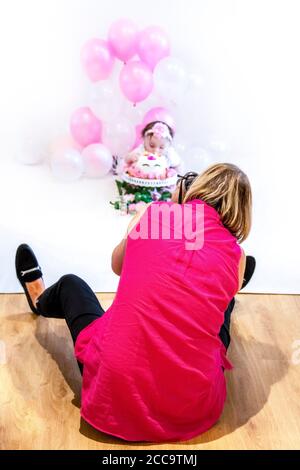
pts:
[153, 362]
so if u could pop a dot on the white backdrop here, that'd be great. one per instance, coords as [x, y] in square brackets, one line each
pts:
[247, 53]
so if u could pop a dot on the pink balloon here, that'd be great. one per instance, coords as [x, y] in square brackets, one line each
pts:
[86, 129]
[153, 46]
[98, 161]
[159, 114]
[139, 138]
[98, 60]
[122, 38]
[136, 81]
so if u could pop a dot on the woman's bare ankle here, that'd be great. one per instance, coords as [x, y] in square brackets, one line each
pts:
[35, 289]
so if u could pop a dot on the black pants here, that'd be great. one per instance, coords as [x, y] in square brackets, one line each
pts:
[73, 300]
[225, 329]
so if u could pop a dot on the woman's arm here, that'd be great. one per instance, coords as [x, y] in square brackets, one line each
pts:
[118, 256]
[119, 251]
[242, 267]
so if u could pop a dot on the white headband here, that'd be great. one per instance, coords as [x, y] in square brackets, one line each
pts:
[161, 130]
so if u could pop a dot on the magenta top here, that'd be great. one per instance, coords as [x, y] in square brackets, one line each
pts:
[153, 362]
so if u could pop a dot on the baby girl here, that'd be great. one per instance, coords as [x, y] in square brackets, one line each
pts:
[155, 158]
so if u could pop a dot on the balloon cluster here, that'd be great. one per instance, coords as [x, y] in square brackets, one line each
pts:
[130, 67]
[133, 80]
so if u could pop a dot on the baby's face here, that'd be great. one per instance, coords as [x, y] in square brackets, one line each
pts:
[154, 144]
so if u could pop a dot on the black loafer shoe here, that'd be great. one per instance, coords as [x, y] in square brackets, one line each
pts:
[27, 270]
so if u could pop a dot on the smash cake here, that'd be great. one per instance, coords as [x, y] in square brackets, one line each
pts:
[145, 176]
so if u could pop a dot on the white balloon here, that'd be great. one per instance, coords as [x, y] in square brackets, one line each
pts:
[119, 137]
[171, 79]
[133, 114]
[30, 152]
[98, 161]
[67, 165]
[174, 157]
[180, 145]
[31, 147]
[105, 101]
[115, 76]
[197, 159]
[155, 100]
[61, 143]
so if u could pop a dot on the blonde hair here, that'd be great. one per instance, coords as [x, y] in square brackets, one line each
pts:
[226, 188]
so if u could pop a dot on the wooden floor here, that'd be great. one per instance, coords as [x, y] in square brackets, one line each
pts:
[40, 383]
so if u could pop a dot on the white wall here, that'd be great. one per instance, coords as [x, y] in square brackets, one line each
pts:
[247, 52]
